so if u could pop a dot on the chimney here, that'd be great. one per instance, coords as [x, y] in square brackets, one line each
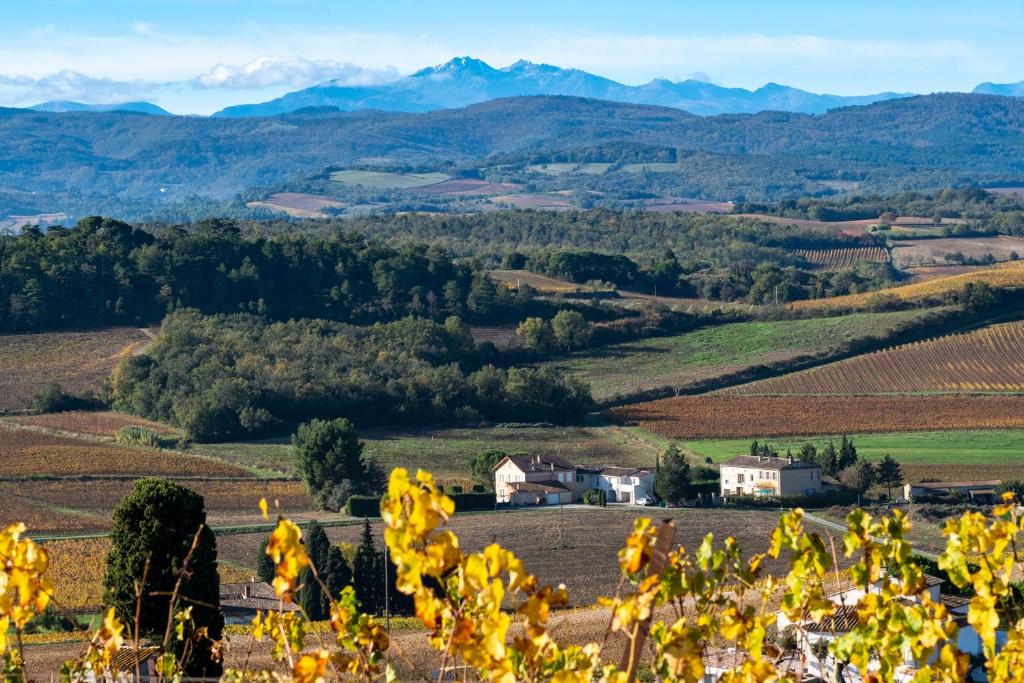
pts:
[790, 458]
[246, 592]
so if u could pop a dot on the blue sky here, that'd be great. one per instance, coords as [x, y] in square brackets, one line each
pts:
[197, 56]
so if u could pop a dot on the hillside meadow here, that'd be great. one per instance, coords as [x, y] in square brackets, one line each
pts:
[685, 361]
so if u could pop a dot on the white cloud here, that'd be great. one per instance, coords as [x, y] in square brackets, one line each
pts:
[269, 71]
[72, 85]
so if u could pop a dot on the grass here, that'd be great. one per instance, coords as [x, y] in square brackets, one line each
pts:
[651, 168]
[448, 452]
[594, 168]
[998, 446]
[387, 181]
[683, 360]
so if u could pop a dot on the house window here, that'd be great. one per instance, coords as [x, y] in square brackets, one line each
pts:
[579, 478]
[739, 478]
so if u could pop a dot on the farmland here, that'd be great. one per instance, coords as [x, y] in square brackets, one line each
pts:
[551, 202]
[378, 180]
[466, 187]
[448, 452]
[717, 416]
[686, 360]
[933, 252]
[839, 260]
[989, 360]
[78, 361]
[298, 204]
[31, 452]
[556, 169]
[102, 424]
[574, 546]
[1005, 275]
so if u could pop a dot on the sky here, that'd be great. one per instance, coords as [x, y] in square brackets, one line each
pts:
[198, 56]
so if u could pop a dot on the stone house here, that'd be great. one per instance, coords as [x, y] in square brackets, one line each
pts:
[751, 475]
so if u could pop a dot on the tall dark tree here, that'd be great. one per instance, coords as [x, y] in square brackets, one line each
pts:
[339, 573]
[673, 479]
[847, 454]
[157, 523]
[828, 459]
[889, 473]
[366, 573]
[311, 597]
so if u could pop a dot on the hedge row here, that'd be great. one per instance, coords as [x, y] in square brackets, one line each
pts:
[369, 506]
[808, 501]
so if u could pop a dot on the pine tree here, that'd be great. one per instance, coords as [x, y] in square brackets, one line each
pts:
[672, 481]
[366, 577]
[889, 473]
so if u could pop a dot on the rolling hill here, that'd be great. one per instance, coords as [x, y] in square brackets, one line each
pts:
[69, 106]
[134, 165]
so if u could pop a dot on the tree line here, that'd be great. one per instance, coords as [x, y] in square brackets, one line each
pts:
[228, 376]
[105, 272]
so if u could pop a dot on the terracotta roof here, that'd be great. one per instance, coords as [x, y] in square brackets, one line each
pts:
[754, 462]
[537, 463]
[252, 595]
[842, 621]
[538, 487]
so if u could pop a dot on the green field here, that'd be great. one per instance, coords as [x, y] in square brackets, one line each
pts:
[387, 181]
[448, 452]
[995, 447]
[594, 168]
[683, 360]
[650, 168]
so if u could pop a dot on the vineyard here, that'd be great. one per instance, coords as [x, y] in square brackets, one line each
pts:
[28, 452]
[101, 424]
[839, 260]
[989, 360]
[77, 361]
[718, 417]
[1003, 276]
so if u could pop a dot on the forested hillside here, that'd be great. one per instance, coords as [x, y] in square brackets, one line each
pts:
[142, 163]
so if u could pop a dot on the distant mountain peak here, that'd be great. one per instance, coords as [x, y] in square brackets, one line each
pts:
[466, 80]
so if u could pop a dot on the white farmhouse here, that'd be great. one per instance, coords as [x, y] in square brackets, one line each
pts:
[750, 475]
[553, 480]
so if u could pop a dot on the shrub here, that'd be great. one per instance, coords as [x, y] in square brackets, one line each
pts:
[138, 436]
[807, 501]
[52, 399]
[464, 502]
[363, 506]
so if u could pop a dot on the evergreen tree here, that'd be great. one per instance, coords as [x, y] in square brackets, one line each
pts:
[673, 478]
[808, 453]
[889, 473]
[331, 462]
[482, 466]
[366, 576]
[264, 564]
[311, 598]
[157, 523]
[847, 454]
[339, 574]
[828, 460]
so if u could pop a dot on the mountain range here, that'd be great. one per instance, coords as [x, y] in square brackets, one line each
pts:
[464, 81]
[133, 165]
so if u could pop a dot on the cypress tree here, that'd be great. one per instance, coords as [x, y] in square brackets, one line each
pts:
[157, 522]
[366, 575]
[339, 574]
[312, 598]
